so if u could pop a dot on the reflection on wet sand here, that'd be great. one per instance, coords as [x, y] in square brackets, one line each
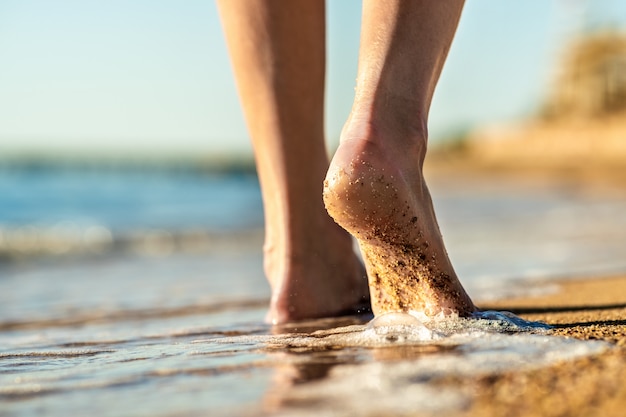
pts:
[297, 366]
[289, 373]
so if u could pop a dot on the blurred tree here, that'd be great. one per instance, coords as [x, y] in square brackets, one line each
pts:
[591, 81]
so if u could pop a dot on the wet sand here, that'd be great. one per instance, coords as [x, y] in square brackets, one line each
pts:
[592, 309]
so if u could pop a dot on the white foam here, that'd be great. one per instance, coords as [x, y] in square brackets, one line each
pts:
[395, 329]
[398, 328]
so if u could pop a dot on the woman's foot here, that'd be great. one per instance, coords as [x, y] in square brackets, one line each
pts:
[318, 275]
[377, 193]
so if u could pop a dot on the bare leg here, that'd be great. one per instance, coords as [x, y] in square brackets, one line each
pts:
[374, 187]
[278, 53]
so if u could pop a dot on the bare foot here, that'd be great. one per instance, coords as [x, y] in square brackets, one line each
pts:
[378, 194]
[318, 275]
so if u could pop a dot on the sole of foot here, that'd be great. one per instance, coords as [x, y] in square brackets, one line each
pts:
[382, 200]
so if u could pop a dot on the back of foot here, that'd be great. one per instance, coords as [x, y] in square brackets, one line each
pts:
[379, 196]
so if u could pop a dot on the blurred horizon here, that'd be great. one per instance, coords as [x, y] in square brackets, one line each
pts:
[152, 79]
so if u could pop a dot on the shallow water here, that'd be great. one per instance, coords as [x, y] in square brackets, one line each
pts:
[164, 314]
[196, 364]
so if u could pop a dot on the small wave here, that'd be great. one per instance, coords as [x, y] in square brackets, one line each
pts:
[74, 239]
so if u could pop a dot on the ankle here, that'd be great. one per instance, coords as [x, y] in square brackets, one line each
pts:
[393, 134]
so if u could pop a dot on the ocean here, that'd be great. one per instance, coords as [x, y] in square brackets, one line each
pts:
[141, 292]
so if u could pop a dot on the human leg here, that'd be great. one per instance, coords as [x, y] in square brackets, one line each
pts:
[374, 187]
[278, 54]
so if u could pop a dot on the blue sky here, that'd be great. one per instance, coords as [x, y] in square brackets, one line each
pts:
[153, 76]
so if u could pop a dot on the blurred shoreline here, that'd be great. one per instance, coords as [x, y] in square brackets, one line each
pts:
[91, 161]
[30, 243]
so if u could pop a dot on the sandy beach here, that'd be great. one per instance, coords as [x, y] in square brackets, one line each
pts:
[590, 309]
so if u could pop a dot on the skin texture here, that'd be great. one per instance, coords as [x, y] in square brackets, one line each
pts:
[278, 54]
[374, 187]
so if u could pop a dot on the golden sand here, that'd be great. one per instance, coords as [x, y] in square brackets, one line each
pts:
[592, 386]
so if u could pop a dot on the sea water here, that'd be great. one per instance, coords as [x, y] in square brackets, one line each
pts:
[496, 232]
[142, 293]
